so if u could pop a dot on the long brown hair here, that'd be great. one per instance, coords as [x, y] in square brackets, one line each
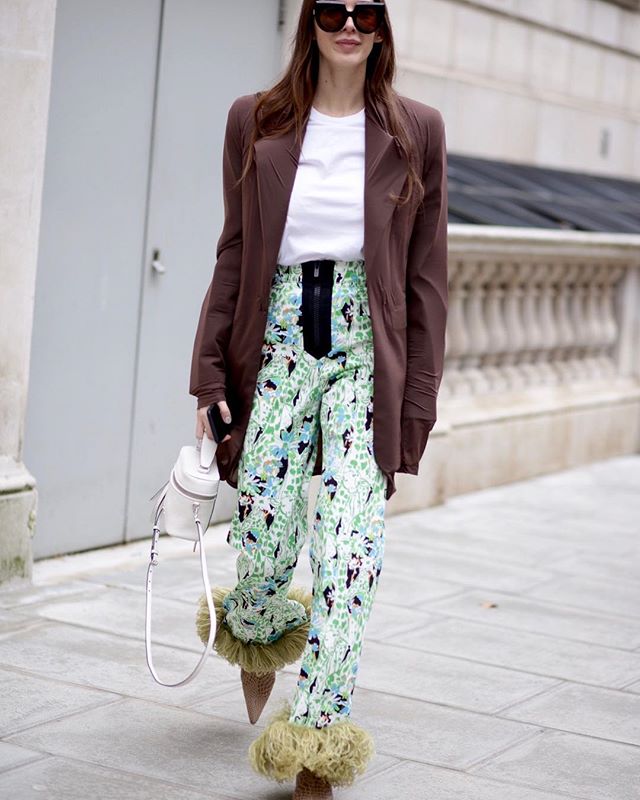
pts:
[287, 104]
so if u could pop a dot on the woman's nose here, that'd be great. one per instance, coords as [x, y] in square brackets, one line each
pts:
[348, 25]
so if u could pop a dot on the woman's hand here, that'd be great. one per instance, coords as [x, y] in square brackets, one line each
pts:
[202, 422]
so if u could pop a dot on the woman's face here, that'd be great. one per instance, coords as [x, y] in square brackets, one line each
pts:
[334, 48]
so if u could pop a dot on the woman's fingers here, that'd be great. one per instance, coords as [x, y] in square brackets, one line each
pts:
[202, 421]
[226, 416]
[224, 410]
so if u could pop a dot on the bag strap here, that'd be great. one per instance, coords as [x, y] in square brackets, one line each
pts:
[207, 452]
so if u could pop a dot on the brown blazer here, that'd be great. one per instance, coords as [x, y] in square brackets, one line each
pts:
[405, 253]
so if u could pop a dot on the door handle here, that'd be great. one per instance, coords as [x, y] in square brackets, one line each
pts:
[156, 264]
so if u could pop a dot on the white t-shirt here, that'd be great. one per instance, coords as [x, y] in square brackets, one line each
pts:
[325, 218]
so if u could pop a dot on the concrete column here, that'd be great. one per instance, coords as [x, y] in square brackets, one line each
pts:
[26, 43]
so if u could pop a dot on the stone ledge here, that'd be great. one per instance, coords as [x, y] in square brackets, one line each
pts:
[481, 447]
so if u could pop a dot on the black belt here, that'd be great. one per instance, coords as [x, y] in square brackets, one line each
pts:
[317, 286]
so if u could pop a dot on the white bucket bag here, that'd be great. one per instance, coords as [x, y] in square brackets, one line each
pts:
[187, 501]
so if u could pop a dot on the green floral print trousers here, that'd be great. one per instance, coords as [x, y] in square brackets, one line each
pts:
[316, 372]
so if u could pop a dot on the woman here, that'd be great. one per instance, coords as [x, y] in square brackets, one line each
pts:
[321, 339]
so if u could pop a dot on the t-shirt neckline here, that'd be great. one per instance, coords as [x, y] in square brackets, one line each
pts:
[329, 117]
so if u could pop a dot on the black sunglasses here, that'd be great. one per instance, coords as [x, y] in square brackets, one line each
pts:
[331, 15]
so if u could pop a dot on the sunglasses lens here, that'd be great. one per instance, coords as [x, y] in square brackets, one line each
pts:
[330, 19]
[367, 19]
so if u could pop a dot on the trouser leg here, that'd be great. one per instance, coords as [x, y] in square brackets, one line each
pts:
[346, 548]
[265, 620]
[346, 552]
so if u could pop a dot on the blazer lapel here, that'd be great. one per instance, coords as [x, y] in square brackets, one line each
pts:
[385, 173]
[276, 164]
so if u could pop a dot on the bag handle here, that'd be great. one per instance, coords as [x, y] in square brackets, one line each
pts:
[207, 449]
[207, 453]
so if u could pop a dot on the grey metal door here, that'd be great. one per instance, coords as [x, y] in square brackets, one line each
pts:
[80, 401]
[210, 54]
[138, 106]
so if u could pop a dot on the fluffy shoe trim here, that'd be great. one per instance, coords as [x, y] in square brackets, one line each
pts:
[254, 656]
[338, 752]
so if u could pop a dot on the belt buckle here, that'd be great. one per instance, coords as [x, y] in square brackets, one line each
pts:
[317, 267]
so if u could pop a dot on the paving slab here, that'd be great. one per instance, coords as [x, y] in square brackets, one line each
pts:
[412, 781]
[539, 616]
[605, 566]
[12, 620]
[576, 494]
[122, 612]
[578, 765]
[603, 713]
[11, 755]
[26, 701]
[524, 652]
[57, 778]
[482, 534]
[438, 678]
[462, 569]
[556, 531]
[610, 597]
[29, 595]
[112, 663]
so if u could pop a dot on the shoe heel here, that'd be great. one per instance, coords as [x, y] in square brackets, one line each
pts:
[257, 689]
[310, 786]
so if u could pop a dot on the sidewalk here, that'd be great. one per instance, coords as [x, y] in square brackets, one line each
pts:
[501, 660]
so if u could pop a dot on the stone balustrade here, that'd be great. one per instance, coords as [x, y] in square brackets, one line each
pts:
[542, 359]
[531, 309]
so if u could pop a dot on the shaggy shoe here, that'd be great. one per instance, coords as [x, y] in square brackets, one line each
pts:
[337, 753]
[252, 656]
[310, 786]
[257, 687]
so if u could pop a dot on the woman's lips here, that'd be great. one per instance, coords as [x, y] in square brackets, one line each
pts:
[347, 45]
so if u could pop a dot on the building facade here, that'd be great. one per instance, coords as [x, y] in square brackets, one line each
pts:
[114, 208]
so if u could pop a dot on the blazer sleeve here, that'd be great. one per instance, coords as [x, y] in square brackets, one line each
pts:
[427, 301]
[208, 372]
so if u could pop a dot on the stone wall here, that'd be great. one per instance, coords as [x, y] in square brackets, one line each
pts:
[26, 40]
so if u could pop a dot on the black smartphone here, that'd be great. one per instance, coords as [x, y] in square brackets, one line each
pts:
[219, 427]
